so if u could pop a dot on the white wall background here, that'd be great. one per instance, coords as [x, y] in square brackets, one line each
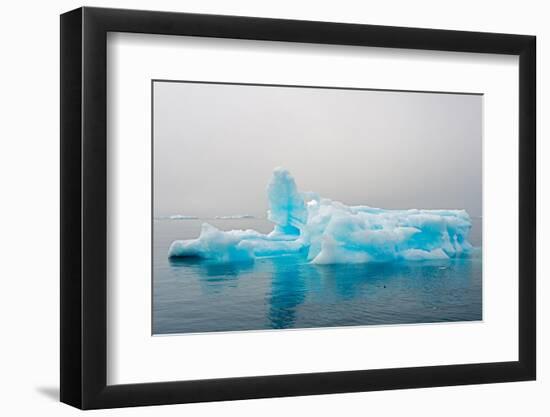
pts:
[29, 225]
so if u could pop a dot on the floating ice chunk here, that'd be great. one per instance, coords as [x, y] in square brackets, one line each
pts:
[214, 244]
[329, 232]
[234, 245]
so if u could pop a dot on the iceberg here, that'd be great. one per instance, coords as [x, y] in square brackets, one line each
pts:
[287, 208]
[324, 231]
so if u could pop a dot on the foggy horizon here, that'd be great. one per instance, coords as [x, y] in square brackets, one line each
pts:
[215, 146]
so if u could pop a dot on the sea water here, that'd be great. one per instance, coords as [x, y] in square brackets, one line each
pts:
[192, 295]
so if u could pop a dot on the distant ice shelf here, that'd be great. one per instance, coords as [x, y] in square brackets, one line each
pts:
[182, 217]
[329, 232]
[235, 217]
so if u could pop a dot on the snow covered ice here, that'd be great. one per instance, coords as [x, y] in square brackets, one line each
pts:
[329, 232]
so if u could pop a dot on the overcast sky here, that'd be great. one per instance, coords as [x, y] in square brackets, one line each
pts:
[215, 147]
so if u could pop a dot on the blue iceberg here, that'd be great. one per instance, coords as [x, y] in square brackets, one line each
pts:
[328, 232]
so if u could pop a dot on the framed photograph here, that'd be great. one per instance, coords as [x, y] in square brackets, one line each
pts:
[257, 207]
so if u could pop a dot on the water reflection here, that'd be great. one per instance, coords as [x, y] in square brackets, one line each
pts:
[287, 292]
[214, 277]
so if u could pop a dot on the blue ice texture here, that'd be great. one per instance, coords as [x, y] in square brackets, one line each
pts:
[329, 232]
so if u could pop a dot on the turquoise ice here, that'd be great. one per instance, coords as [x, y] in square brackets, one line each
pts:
[324, 231]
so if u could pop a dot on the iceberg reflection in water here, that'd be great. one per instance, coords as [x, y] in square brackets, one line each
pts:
[315, 263]
[196, 295]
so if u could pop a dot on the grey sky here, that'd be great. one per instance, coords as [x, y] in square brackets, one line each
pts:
[215, 147]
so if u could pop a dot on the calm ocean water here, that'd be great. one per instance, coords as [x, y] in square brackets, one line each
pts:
[286, 292]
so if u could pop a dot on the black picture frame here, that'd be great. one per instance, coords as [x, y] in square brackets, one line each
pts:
[84, 207]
